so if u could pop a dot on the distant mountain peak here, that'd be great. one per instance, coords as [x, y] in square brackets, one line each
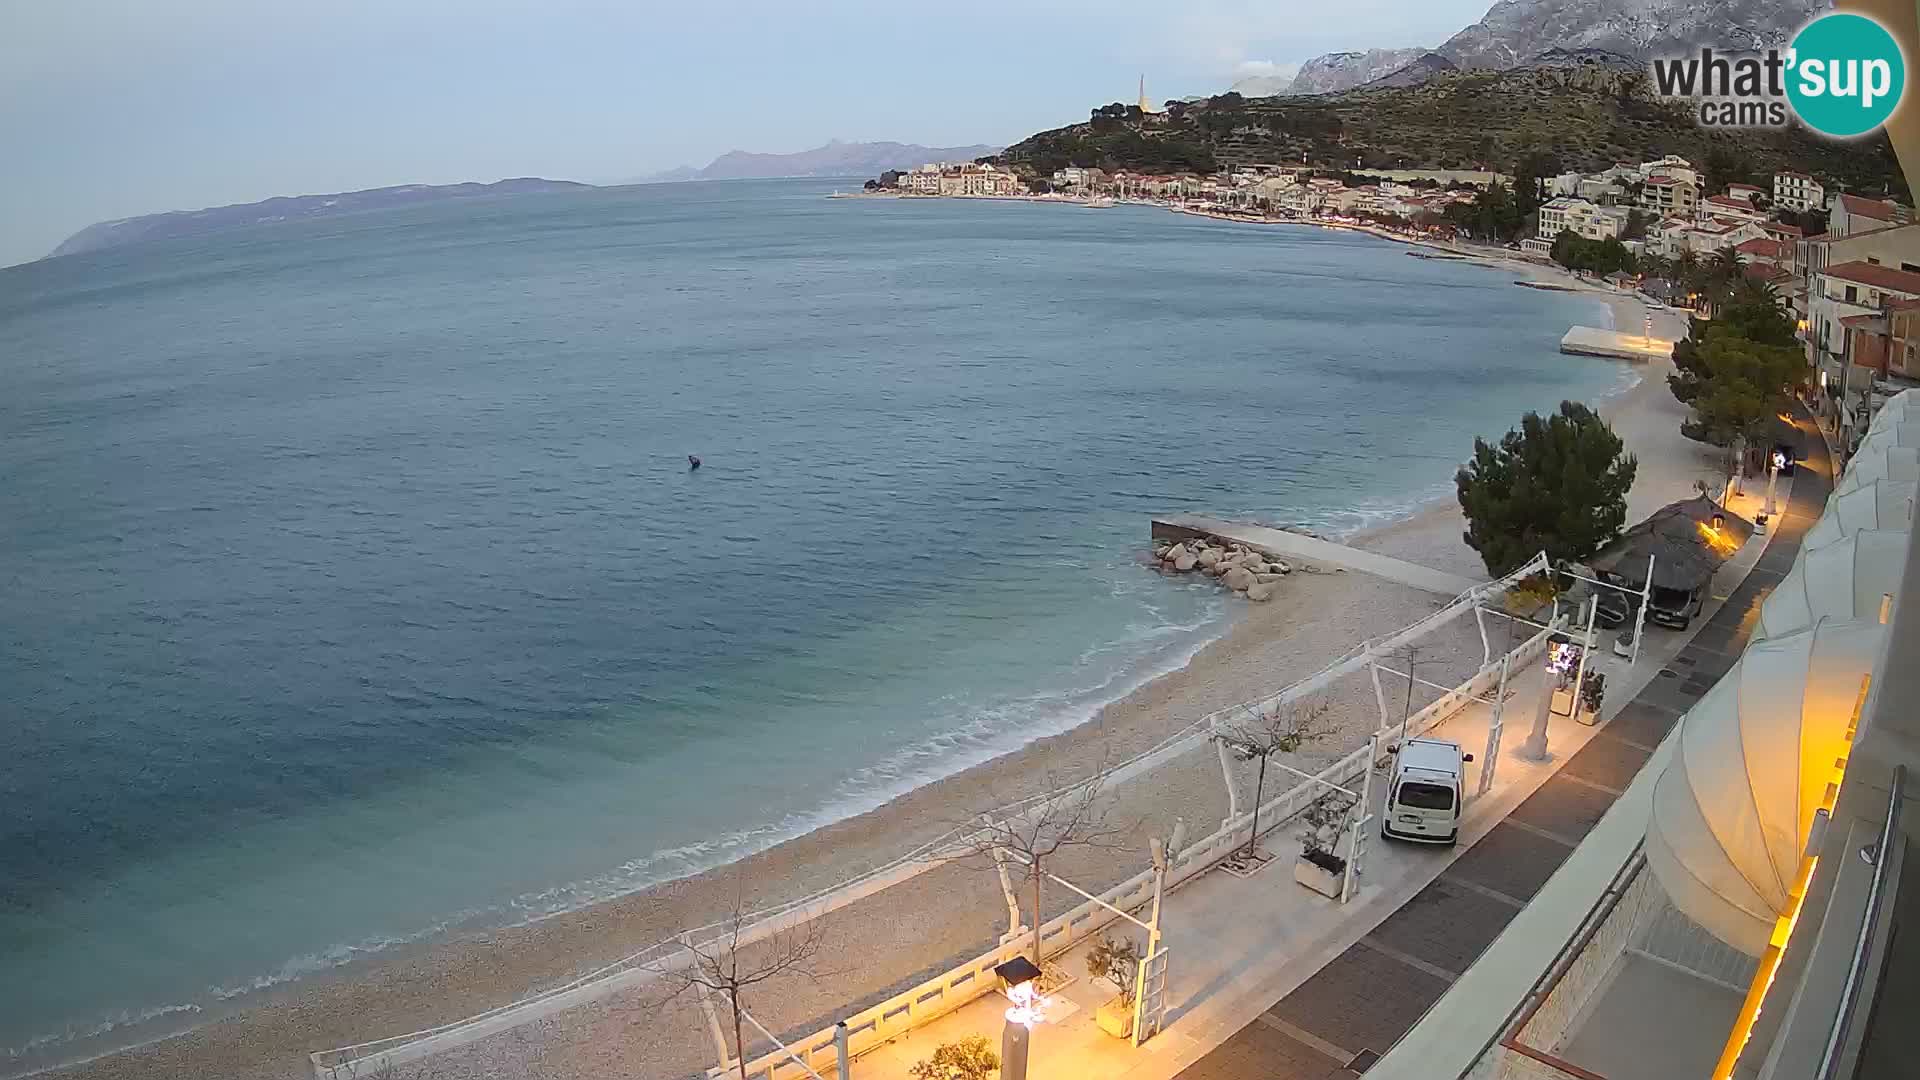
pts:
[835, 158]
[1563, 33]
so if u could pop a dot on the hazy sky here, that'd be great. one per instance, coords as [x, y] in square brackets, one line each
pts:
[110, 108]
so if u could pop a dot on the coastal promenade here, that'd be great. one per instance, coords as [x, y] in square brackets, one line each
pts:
[1338, 1020]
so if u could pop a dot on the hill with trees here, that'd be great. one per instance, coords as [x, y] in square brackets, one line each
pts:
[1575, 116]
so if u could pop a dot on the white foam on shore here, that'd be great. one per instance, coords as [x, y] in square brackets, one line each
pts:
[977, 737]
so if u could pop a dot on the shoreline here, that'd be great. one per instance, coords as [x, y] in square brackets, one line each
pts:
[432, 981]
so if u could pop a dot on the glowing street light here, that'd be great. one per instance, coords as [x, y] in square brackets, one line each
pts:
[1778, 461]
[1021, 977]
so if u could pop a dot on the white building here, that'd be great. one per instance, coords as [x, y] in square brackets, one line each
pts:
[924, 179]
[1798, 191]
[972, 179]
[1851, 214]
[1073, 176]
[1841, 291]
[1581, 218]
[1672, 165]
[1562, 215]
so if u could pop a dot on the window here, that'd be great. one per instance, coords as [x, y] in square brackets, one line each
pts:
[1873, 260]
[1853, 295]
[1425, 796]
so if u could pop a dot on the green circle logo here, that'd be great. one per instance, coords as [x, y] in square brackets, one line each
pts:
[1845, 75]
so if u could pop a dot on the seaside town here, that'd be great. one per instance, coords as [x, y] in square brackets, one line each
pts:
[1846, 266]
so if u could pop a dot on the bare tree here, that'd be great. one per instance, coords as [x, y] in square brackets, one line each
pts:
[1074, 818]
[729, 966]
[1260, 734]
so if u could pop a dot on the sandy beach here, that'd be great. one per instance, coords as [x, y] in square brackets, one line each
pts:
[897, 937]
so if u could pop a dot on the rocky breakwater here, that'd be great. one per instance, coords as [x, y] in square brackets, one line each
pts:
[1238, 567]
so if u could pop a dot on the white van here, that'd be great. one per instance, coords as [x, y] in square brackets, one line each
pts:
[1424, 800]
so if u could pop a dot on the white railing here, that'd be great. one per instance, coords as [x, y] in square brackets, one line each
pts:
[639, 968]
[962, 984]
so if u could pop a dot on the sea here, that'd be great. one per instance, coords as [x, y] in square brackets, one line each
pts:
[355, 585]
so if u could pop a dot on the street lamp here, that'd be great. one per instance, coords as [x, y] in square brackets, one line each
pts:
[1021, 977]
[1778, 461]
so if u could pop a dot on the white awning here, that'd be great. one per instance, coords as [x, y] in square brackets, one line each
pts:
[1842, 580]
[1732, 810]
[1879, 504]
[1894, 409]
[1901, 433]
[1880, 461]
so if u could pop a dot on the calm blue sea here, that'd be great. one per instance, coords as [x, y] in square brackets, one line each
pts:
[353, 583]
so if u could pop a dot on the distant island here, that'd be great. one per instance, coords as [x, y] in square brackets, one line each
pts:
[179, 223]
[836, 158]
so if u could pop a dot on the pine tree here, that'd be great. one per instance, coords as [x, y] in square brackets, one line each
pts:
[1556, 484]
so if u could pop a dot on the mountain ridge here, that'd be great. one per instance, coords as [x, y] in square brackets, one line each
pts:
[1515, 33]
[172, 224]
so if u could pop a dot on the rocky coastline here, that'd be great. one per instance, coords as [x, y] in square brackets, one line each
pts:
[1238, 567]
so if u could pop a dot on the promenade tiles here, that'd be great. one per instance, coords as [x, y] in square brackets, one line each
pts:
[1362, 1000]
[1607, 761]
[1259, 1050]
[1564, 807]
[1445, 925]
[1511, 861]
[1642, 724]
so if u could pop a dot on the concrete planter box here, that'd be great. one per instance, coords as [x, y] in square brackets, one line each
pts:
[1116, 1017]
[1316, 877]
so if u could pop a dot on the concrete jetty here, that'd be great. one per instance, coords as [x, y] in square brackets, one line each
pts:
[1593, 341]
[1284, 545]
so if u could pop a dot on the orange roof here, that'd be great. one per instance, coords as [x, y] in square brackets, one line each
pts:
[1875, 276]
[1728, 200]
[1873, 208]
[1763, 248]
[1783, 227]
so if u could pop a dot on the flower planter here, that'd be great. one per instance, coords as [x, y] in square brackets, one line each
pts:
[1116, 1017]
[1317, 877]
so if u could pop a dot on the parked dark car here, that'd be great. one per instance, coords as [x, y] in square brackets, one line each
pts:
[1675, 608]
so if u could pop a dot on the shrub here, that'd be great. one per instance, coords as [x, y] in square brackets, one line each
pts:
[972, 1058]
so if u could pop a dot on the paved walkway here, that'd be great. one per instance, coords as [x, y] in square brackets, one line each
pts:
[1340, 1021]
[1292, 545]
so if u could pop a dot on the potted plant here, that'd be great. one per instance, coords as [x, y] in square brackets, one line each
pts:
[1623, 644]
[1318, 867]
[1118, 962]
[1592, 692]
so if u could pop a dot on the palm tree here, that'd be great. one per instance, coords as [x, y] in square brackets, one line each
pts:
[1724, 266]
[1686, 271]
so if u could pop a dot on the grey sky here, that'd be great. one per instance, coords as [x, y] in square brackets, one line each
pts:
[110, 109]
